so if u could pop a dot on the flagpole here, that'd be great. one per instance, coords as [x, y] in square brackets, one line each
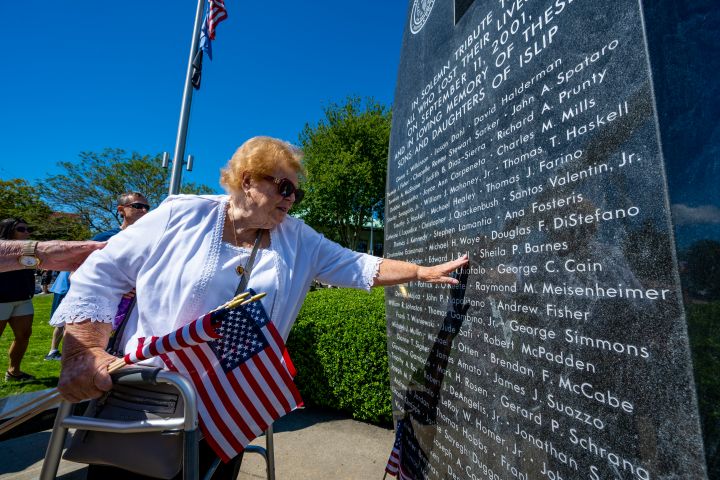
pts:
[176, 176]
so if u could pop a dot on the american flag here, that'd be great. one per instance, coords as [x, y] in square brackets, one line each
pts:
[242, 380]
[201, 330]
[214, 14]
[394, 466]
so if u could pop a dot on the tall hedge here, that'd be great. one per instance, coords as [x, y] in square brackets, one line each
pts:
[338, 345]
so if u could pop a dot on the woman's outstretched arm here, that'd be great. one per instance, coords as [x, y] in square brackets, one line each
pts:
[393, 272]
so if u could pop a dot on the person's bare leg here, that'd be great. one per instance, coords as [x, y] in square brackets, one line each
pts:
[22, 328]
[3, 324]
[56, 338]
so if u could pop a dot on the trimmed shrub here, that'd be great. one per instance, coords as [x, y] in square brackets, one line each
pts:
[338, 345]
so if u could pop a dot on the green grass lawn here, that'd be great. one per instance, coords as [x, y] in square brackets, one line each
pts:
[33, 363]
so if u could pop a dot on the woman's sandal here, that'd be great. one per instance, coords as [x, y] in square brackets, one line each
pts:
[20, 377]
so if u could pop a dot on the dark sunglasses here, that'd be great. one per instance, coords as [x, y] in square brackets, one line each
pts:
[287, 188]
[22, 229]
[138, 206]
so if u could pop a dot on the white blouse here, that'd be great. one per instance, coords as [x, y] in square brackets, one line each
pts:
[175, 257]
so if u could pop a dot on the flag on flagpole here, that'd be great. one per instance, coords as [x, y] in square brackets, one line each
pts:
[215, 13]
[242, 381]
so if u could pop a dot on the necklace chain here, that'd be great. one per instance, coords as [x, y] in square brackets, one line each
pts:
[239, 269]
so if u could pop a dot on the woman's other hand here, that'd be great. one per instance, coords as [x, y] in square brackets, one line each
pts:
[63, 255]
[84, 361]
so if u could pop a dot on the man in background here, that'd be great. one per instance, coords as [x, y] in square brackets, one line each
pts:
[131, 207]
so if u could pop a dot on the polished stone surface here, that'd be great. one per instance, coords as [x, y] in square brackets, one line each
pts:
[527, 134]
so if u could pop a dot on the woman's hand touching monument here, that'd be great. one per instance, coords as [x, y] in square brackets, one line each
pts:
[393, 272]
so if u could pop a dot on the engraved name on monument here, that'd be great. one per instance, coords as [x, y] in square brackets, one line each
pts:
[524, 133]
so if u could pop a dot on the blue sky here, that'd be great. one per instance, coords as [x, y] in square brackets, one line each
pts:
[82, 76]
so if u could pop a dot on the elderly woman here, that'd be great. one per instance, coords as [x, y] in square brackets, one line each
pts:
[186, 257]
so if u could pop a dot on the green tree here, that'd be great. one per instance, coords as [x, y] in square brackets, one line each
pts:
[20, 199]
[90, 186]
[346, 162]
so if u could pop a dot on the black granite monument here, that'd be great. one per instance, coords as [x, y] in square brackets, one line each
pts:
[571, 147]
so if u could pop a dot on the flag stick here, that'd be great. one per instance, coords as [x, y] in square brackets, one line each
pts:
[232, 302]
[116, 365]
[238, 300]
[254, 298]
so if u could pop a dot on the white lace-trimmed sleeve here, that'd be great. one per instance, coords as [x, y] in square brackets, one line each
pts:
[96, 288]
[95, 308]
[372, 271]
[342, 267]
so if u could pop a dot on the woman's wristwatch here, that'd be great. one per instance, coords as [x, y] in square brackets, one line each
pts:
[28, 258]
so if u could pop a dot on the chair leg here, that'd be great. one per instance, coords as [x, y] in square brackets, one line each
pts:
[270, 447]
[267, 452]
[191, 464]
[56, 443]
[211, 470]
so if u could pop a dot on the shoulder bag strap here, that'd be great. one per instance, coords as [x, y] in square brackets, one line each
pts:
[245, 277]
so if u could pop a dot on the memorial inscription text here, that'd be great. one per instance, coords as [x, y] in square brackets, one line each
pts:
[528, 140]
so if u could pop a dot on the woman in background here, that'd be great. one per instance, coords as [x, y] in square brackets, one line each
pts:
[16, 291]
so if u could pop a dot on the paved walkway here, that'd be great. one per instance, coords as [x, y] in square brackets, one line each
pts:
[309, 445]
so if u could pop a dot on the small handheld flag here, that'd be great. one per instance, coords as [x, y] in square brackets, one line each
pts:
[243, 379]
[201, 330]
